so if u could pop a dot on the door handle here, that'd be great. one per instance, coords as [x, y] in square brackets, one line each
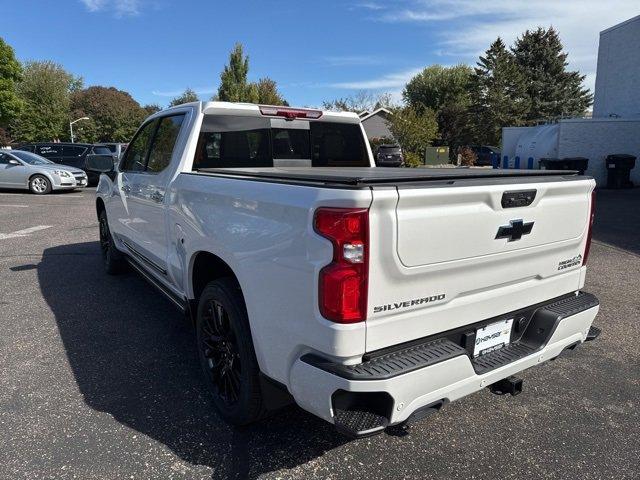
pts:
[157, 197]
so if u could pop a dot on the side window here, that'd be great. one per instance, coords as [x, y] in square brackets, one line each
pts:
[71, 151]
[100, 150]
[136, 156]
[49, 151]
[163, 143]
[4, 159]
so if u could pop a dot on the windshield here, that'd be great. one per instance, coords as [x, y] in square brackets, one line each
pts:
[30, 158]
[236, 142]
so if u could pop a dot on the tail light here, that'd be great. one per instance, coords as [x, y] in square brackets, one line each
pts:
[289, 113]
[592, 214]
[343, 283]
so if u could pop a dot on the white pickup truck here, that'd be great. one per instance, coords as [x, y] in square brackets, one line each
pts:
[369, 296]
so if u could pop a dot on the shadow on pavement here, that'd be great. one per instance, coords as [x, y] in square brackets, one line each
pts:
[133, 356]
[617, 220]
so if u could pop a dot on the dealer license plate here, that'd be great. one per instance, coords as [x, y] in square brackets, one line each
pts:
[492, 337]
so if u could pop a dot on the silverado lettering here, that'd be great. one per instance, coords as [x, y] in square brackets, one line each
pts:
[408, 303]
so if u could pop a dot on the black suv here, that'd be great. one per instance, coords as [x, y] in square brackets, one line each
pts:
[72, 154]
[389, 156]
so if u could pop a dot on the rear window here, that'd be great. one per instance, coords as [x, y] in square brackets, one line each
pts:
[390, 150]
[236, 142]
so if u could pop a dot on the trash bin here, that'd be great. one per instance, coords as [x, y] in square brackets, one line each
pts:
[619, 168]
[576, 163]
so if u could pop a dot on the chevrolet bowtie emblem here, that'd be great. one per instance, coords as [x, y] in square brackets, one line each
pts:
[515, 230]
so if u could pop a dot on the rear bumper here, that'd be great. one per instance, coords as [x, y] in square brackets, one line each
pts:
[438, 370]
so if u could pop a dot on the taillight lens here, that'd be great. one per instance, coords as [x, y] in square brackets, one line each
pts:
[592, 214]
[343, 283]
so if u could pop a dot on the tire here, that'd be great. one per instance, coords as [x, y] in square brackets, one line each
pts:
[39, 185]
[226, 353]
[114, 261]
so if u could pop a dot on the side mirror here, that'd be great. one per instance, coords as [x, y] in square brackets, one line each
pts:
[99, 163]
[14, 162]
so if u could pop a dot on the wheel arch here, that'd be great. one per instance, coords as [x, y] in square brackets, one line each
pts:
[205, 267]
[100, 206]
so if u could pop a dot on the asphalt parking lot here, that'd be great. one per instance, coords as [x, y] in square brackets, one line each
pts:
[99, 379]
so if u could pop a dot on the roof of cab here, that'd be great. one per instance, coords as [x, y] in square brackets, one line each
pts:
[251, 109]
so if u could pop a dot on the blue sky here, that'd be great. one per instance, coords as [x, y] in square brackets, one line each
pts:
[315, 50]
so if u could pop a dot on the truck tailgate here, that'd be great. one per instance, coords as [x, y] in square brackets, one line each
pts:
[447, 256]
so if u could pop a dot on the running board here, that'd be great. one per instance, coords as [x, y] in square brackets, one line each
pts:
[182, 304]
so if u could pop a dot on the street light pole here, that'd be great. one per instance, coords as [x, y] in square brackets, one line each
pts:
[71, 125]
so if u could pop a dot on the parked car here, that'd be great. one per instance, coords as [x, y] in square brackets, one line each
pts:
[26, 170]
[485, 154]
[72, 154]
[369, 296]
[389, 156]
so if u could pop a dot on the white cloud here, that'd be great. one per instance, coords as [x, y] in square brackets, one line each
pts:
[471, 25]
[371, 6]
[351, 60]
[119, 7]
[395, 80]
[175, 93]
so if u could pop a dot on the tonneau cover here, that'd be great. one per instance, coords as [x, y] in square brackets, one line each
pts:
[374, 175]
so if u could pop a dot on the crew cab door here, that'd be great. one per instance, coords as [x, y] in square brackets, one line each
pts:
[142, 184]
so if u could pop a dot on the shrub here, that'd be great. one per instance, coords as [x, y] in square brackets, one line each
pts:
[466, 157]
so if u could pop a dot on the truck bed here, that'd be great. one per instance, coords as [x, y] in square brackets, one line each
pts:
[368, 176]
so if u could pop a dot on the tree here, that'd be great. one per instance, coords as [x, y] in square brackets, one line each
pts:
[234, 86]
[553, 91]
[114, 115]
[151, 108]
[359, 102]
[445, 91]
[45, 91]
[268, 93]
[499, 95]
[10, 75]
[437, 86]
[187, 96]
[413, 130]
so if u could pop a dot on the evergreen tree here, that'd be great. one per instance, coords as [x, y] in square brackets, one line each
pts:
[187, 96]
[268, 93]
[553, 91]
[499, 95]
[10, 75]
[233, 79]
